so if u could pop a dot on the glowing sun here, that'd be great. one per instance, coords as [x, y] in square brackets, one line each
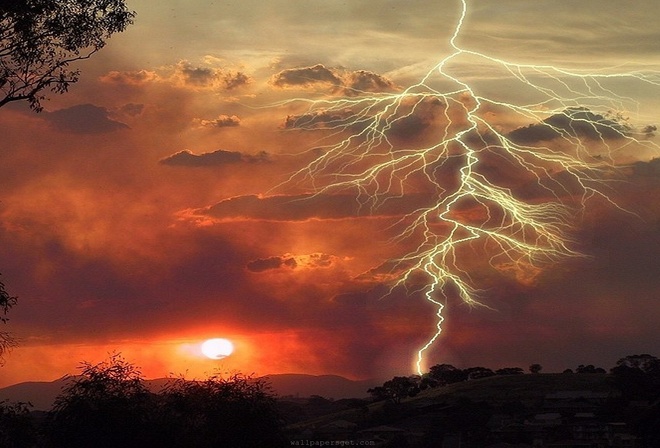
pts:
[217, 348]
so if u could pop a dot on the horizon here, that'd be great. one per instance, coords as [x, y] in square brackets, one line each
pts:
[204, 375]
[40, 396]
[196, 183]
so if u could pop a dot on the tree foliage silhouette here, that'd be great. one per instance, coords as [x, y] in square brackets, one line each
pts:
[396, 389]
[589, 368]
[106, 406]
[17, 429]
[474, 373]
[218, 412]
[109, 405]
[535, 368]
[646, 363]
[447, 374]
[6, 303]
[638, 377]
[39, 39]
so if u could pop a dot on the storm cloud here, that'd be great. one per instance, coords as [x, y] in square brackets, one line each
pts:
[337, 81]
[83, 119]
[572, 123]
[215, 158]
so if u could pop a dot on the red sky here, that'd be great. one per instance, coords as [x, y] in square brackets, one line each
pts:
[157, 203]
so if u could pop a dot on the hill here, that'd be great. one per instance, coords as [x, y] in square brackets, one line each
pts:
[514, 410]
[496, 391]
[499, 388]
[328, 386]
[41, 394]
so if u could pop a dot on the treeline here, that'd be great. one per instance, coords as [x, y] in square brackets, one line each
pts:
[108, 405]
[634, 375]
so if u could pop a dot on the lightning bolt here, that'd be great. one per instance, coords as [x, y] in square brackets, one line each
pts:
[362, 152]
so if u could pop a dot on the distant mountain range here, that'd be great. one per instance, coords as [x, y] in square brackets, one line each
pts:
[41, 394]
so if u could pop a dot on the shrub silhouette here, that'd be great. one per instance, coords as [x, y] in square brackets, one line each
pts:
[6, 303]
[237, 411]
[108, 405]
[17, 430]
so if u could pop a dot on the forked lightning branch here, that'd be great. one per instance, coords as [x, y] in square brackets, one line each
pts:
[453, 170]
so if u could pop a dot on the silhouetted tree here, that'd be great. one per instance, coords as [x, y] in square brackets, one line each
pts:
[39, 39]
[6, 303]
[106, 406]
[396, 389]
[427, 381]
[535, 368]
[17, 430]
[447, 374]
[637, 376]
[589, 368]
[646, 363]
[379, 393]
[474, 373]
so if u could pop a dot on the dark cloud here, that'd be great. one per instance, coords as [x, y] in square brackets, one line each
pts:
[647, 169]
[320, 260]
[322, 119]
[306, 77]
[572, 123]
[215, 158]
[304, 207]
[364, 81]
[222, 121]
[265, 264]
[83, 119]
[410, 120]
[197, 76]
[183, 74]
[649, 131]
[411, 124]
[233, 80]
[208, 77]
[341, 82]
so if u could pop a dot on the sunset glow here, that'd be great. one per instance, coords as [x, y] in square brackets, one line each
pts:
[319, 185]
[217, 348]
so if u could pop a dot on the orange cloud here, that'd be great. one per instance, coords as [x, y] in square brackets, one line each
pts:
[221, 121]
[215, 158]
[184, 75]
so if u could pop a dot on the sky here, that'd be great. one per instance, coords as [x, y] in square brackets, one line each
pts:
[187, 188]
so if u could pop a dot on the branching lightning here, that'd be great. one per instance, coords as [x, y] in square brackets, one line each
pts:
[368, 152]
